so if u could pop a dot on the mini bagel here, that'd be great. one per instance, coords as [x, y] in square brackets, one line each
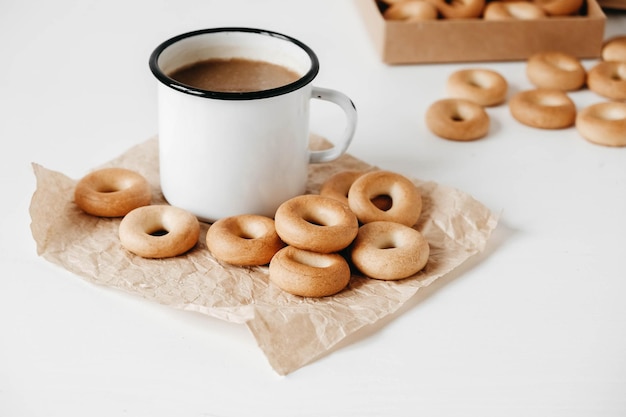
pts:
[608, 79]
[112, 192]
[337, 186]
[159, 231]
[309, 274]
[459, 9]
[457, 119]
[411, 11]
[483, 86]
[389, 251]
[512, 10]
[316, 223]
[559, 7]
[614, 49]
[603, 123]
[543, 108]
[406, 199]
[556, 70]
[244, 240]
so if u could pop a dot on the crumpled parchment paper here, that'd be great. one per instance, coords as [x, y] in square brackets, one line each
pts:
[291, 331]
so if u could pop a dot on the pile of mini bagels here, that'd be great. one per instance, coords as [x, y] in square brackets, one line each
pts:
[462, 116]
[420, 10]
[361, 218]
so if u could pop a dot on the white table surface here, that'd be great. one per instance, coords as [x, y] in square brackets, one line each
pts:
[534, 326]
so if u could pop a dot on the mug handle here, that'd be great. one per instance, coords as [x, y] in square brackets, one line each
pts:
[349, 109]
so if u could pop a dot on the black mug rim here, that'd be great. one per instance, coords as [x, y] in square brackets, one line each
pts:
[251, 95]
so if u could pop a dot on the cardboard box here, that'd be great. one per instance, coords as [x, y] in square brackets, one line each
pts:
[472, 40]
[613, 4]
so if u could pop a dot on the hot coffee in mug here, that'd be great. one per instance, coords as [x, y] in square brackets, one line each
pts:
[234, 120]
[235, 75]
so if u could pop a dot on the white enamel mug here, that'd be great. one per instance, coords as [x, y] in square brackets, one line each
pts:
[223, 154]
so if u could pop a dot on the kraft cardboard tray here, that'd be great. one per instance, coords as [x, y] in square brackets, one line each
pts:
[613, 4]
[474, 40]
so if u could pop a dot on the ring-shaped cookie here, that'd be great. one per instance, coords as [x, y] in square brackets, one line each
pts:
[406, 199]
[309, 274]
[389, 251]
[512, 10]
[559, 7]
[338, 185]
[608, 79]
[557, 70]
[483, 86]
[159, 231]
[411, 11]
[614, 49]
[603, 123]
[112, 192]
[457, 119]
[316, 223]
[459, 9]
[543, 108]
[244, 240]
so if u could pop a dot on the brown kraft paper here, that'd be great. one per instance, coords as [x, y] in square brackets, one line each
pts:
[291, 331]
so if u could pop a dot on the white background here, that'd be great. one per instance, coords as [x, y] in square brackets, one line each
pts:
[534, 326]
